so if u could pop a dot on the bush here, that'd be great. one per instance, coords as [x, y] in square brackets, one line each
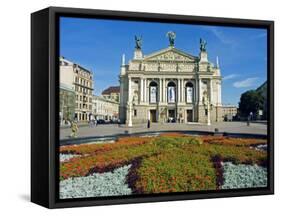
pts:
[176, 171]
[178, 142]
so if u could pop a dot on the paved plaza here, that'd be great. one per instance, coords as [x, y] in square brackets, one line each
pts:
[113, 129]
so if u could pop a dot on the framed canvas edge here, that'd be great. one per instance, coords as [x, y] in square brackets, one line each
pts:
[53, 132]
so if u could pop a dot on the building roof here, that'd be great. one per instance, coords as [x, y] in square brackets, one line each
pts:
[111, 89]
[229, 106]
[70, 63]
[99, 98]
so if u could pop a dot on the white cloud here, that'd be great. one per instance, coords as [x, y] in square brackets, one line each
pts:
[221, 36]
[249, 82]
[230, 76]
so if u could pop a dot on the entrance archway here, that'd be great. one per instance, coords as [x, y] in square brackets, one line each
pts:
[153, 116]
[189, 115]
[171, 115]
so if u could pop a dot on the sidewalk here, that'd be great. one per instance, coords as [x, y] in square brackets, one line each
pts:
[113, 129]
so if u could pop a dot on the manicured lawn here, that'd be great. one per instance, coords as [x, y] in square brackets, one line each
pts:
[171, 162]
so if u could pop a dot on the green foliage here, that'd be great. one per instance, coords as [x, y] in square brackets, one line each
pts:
[251, 101]
[171, 142]
[176, 171]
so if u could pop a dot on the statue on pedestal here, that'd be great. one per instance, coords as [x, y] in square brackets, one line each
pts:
[205, 98]
[172, 36]
[203, 45]
[138, 41]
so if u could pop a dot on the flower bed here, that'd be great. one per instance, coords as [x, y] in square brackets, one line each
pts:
[232, 141]
[175, 171]
[103, 158]
[67, 157]
[100, 148]
[172, 162]
[105, 184]
[243, 176]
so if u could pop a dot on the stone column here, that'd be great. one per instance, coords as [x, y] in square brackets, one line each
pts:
[196, 91]
[144, 93]
[160, 90]
[141, 90]
[199, 90]
[219, 93]
[180, 99]
[164, 90]
[182, 90]
[211, 91]
[129, 88]
[130, 124]
[178, 92]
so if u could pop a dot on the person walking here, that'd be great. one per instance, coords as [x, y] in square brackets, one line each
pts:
[148, 123]
[91, 121]
[74, 129]
[248, 120]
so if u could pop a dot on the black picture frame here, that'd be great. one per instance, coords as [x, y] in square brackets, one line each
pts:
[44, 105]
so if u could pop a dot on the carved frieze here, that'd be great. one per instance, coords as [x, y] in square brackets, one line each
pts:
[170, 61]
[170, 56]
[186, 67]
[164, 66]
[203, 67]
[134, 66]
[151, 66]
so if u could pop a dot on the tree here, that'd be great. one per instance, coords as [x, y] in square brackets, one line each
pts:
[250, 101]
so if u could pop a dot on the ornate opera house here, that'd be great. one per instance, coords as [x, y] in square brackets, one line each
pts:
[170, 85]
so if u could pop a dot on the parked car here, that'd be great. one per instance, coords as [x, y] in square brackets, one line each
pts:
[101, 121]
[113, 121]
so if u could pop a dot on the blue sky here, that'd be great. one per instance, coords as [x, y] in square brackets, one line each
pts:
[99, 44]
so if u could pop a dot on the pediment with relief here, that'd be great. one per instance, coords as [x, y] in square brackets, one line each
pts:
[170, 55]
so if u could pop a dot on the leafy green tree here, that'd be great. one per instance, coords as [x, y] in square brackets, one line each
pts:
[250, 101]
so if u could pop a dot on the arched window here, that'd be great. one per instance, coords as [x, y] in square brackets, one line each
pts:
[171, 92]
[189, 92]
[153, 92]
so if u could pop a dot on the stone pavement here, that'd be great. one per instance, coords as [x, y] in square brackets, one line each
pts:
[113, 129]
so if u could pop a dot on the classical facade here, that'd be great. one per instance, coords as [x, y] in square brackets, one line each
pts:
[170, 85]
[104, 108]
[81, 80]
[229, 112]
[112, 93]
